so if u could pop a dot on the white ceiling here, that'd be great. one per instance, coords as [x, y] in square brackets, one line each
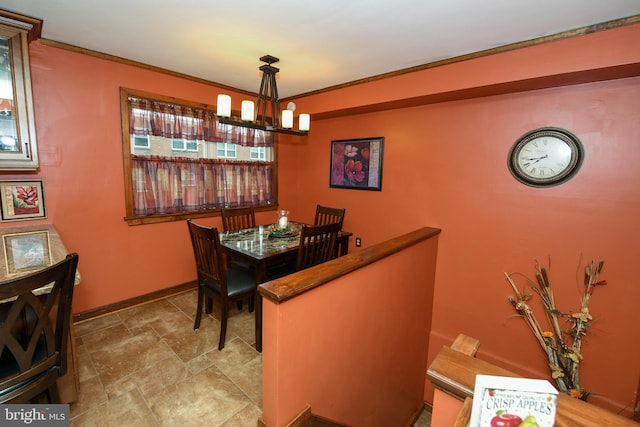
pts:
[320, 43]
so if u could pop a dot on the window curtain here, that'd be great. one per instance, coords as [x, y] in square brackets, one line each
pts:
[164, 185]
[149, 117]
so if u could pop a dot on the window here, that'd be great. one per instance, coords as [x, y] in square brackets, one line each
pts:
[227, 151]
[257, 153]
[181, 144]
[179, 162]
[141, 141]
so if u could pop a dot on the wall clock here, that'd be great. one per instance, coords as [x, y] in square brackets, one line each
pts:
[546, 156]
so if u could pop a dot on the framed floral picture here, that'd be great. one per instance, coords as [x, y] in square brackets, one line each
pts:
[21, 200]
[357, 163]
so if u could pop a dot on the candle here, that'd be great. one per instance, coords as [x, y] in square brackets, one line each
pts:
[224, 105]
[287, 119]
[283, 222]
[303, 121]
[247, 112]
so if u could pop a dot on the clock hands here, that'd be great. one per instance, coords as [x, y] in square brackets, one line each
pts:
[536, 159]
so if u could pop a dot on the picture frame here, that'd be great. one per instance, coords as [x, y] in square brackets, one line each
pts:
[26, 252]
[357, 163]
[22, 200]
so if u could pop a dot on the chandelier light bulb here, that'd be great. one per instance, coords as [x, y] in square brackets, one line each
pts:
[223, 108]
[303, 122]
[287, 119]
[247, 111]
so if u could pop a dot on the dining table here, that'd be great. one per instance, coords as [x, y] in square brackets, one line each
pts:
[262, 247]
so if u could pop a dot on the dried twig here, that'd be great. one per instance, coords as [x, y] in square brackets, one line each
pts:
[562, 347]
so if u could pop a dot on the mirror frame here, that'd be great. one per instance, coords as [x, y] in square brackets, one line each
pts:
[19, 30]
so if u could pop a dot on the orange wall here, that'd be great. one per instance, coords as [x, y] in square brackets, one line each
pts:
[444, 166]
[345, 348]
[77, 114]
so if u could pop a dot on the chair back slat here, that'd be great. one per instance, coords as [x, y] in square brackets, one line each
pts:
[328, 215]
[234, 219]
[34, 331]
[317, 244]
[208, 255]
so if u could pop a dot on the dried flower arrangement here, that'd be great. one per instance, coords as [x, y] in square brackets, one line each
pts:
[562, 343]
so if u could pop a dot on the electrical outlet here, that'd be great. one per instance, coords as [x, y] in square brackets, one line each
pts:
[358, 242]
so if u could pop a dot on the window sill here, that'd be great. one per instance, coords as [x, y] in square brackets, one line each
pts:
[181, 216]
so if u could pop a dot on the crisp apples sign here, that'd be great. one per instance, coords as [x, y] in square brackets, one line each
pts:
[513, 402]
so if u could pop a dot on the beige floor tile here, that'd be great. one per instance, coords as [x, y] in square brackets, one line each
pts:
[155, 378]
[199, 363]
[91, 395]
[146, 366]
[243, 324]
[129, 355]
[129, 409]
[189, 344]
[120, 387]
[235, 353]
[85, 364]
[424, 420]
[186, 302]
[248, 378]
[105, 338]
[92, 325]
[163, 316]
[208, 398]
[246, 417]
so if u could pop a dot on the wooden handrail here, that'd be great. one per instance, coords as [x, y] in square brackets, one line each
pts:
[285, 288]
[454, 373]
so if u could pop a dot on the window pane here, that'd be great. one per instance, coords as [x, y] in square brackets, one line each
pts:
[192, 145]
[141, 141]
[257, 153]
[230, 151]
[177, 144]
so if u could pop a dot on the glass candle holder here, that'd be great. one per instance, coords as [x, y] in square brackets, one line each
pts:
[283, 220]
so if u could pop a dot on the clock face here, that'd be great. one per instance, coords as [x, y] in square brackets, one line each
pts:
[545, 157]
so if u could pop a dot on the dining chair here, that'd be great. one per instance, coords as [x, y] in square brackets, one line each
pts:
[327, 215]
[317, 245]
[234, 219]
[34, 333]
[217, 280]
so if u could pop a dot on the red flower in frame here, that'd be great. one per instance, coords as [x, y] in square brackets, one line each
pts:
[29, 195]
[354, 171]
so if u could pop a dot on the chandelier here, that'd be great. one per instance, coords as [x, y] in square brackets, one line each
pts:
[281, 122]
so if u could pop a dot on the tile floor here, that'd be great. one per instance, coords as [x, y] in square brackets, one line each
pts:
[138, 367]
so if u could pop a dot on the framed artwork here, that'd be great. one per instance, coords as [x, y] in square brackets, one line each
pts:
[357, 164]
[22, 200]
[26, 252]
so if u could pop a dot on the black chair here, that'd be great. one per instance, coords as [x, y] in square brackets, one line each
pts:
[216, 279]
[34, 333]
[317, 245]
[234, 219]
[327, 215]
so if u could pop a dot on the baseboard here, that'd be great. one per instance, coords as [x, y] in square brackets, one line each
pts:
[107, 309]
[307, 419]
